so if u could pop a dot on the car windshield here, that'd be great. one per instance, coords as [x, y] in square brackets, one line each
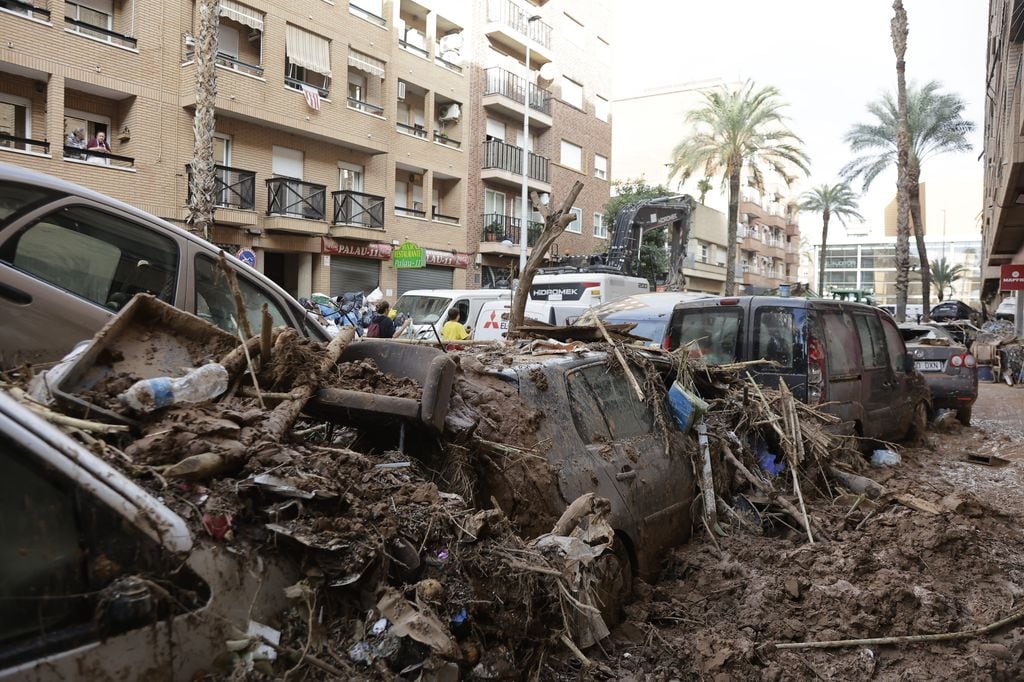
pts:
[421, 308]
[924, 334]
[712, 332]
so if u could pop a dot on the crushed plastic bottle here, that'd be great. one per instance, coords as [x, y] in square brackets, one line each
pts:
[201, 384]
[885, 458]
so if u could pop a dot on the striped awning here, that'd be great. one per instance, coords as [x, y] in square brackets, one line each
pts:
[247, 16]
[366, 63]
[308, 50]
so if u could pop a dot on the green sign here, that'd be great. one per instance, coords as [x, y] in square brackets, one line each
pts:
[408, 255]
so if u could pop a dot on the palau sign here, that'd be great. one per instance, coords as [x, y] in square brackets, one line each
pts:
[408, 256]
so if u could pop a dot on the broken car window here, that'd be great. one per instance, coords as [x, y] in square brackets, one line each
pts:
[777, 337]
[216, 305]
[712, 331]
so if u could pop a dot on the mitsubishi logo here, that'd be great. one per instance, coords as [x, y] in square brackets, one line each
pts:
[492, 323]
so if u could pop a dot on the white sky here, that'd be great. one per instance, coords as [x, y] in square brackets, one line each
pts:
[829, 58]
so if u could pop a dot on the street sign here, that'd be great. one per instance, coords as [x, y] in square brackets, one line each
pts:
[408, 256]
[247, 256]
[1011, 277]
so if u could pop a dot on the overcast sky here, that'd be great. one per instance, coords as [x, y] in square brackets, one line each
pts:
[828, 58]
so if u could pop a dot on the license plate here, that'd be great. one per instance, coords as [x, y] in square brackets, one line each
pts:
[928, 366]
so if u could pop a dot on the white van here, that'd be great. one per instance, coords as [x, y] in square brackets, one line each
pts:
[492, 324]
[572, 293]
[431, 306]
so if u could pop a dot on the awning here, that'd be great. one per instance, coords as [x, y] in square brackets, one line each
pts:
[308, 50]
[366, 63]
[247, 16]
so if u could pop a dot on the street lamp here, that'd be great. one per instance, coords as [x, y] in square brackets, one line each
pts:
[524, 222]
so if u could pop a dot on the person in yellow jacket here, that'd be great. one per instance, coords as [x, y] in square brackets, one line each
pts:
[453, 329]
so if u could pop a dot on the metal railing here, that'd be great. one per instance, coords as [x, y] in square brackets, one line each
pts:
[296, 84]
[86, 29]
[415, 49]
[98, 158]
[498, 81]
[507, 157]
[357, 208]
[229, 62]
[291, 197]
[442, 218]
[500, 228]
[416, 130]
[26, 8]
[360, 105]
[233, 187]
[451, 66]
[25, 144]
[442, 138]
[411, 212]
[513, 16]
[366, 14]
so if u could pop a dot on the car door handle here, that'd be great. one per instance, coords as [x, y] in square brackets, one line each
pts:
[14, 295]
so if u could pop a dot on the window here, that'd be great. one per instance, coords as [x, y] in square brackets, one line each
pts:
[215, 304]
[872, 341]
[572, 93]
[366, 83]
[90, 123]
[576, 226]
[604, 405]
[15, 121]
[350, 177]
[841, 344]
[778, 337]
[495, 130]
[600, 229]
[102, 258]
[600, 108]
[307, 60]
[711, 333]
[15, 199]
[98, 13]
[572, 155]
[573, 31]
[600, 166]
[894, 344]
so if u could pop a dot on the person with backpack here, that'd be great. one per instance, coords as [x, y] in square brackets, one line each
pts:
[381, 326]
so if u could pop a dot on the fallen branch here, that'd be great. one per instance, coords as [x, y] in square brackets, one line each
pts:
[622, 360]
[266, 335]
[586, 662]
[62, 419]
[229, 275]
[904, 639]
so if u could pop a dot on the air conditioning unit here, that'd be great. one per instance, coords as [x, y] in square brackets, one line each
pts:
[451, 112]
[401, 91]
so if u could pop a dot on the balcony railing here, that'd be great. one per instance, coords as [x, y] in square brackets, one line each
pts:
[442, 138]
[233, 187]
[25, 8]
[291, 197]
[451, 66]
[106, 35]
[410, 212]
[416, 130]
[366, 14]
[442, 218]
[415, 49]
[296, 84]
[356, 208]
[25, 144]
[360, 105]
[501, 228]
[498, 81]
[98, 158]
[229, 62]
[509, 158]
[509, 14]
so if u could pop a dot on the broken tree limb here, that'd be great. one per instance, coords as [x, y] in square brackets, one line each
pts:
[905, 639]
[62, 419]
[252, 368]
[555, 223]
[707, 480]
[796, 454]
[622, 360]
[266, 335]
[229, 275]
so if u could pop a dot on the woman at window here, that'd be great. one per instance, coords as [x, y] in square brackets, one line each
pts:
[99, 144]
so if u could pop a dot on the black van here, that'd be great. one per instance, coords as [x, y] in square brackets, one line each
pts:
[847, 357]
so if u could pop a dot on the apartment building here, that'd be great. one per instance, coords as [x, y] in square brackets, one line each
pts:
[707, 251]
[344, 129]
[768, 238]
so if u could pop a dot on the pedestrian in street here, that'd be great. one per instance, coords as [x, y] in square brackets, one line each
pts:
[453, 330]
[381, 326]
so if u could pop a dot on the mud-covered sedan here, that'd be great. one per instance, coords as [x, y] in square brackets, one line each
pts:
[949, 369]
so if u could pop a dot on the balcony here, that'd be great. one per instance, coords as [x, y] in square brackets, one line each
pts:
[442, 138]
[438, 59]
[23, 144]
[414, 130]
[295, 198]
[510, 24]
[369, 108]
[359, 209]
[358, 11]
[98, 33]
[26, 9]
[296, 84]
[504, 92]
[233, 187]
[77, 155]
[442, 218]
[415, 49]
[410, 212]
[500, 233]
[505, 161]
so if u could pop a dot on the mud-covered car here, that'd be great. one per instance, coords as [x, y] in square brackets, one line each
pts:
[949, 369]
[573, 424]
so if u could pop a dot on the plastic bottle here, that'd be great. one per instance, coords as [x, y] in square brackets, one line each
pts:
[201, 384]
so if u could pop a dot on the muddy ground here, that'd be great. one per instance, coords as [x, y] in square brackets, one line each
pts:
[721, 606]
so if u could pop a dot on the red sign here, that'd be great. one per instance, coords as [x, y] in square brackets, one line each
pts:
[376, 251]
[1011, 277]
[447, 259]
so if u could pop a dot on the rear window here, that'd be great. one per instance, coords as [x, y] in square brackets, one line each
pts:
[712, 331]
[779, 336]
[843, 349]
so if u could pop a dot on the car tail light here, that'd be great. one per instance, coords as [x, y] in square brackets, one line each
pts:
[728, 301]
[957, 360]
[815, 370]
[667, 343]
[969, 361]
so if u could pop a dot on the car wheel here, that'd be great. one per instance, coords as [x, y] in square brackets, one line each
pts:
[614, 588]
[918, 424]
[964, 415]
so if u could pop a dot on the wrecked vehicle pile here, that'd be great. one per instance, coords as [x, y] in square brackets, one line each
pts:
[374, 509]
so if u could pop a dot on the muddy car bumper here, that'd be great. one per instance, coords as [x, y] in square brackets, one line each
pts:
[952, 391]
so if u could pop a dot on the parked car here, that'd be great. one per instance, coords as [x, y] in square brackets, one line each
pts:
[649, 312]
[914, 311]
[1007, 309]
[71, 257]
[849, 358]
[955, 310]
[950, 371]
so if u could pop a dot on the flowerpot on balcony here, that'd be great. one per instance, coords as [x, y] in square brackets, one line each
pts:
[491, 232]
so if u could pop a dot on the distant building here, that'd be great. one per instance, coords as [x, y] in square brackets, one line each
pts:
[704, 266]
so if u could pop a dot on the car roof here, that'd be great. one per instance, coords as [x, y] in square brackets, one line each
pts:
[780, 301]
[647, 305]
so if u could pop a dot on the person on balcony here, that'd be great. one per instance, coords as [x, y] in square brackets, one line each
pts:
[99, 144]
[76, 140]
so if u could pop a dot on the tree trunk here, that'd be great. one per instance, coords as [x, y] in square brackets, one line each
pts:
[922, 250]
[825, 215]
[899, 45]
[677, 232]
[734, 216]
[203, 180]
[555, 223]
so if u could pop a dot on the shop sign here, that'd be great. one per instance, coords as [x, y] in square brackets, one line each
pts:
[1011, 277]
[409, 256]
[376, 251]
[447, 259]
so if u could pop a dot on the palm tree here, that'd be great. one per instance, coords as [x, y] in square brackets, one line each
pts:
[935, 126]
[733, 129]
[203, 177]
[944, 274]
[703, 187]
[830, 200]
